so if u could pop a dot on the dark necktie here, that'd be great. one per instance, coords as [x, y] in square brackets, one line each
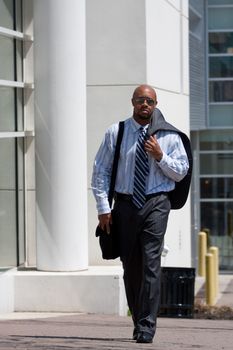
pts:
[141, 171]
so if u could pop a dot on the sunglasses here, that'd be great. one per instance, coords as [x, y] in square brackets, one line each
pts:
[141, 100]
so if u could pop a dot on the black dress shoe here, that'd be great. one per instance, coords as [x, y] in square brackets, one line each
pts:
[144, 338]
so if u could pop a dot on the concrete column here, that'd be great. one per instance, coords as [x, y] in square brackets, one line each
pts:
[60, 113]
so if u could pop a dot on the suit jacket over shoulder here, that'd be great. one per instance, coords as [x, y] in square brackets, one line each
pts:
[178, 196]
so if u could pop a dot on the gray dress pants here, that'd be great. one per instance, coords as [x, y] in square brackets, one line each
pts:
[141, 234]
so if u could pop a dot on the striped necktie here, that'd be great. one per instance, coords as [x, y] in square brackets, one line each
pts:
[141, 171]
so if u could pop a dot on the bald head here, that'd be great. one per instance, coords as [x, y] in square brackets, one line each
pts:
[141, 89]
[144, 101]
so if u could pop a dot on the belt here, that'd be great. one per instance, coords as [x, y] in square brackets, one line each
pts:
[123, 197]
[128, 197]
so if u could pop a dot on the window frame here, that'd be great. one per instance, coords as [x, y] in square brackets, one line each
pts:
[209, 79]
[27, 134]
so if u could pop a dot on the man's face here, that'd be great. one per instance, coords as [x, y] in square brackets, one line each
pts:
[144, 103]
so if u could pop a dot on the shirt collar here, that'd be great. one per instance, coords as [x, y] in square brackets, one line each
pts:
[136, 126]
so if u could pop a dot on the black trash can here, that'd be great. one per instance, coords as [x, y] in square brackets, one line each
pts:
[177, 292]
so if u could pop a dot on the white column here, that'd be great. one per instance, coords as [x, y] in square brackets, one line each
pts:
[60, 112]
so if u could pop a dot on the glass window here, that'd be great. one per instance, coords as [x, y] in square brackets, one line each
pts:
[7, 158]
[7, 14]
[18, 15]
[221, 67]
[221, 115]
[12, 200]
[217, 217]
[7, 203]
[220, 2]
[8, 237]
[216, 167]
[20, 200]
[217, 220]
[7, 71]
[8, 48]
[220, 18]
[221, 91]
[7, 109]
[11, 197]
[19, 60]
[217, 187]
[216, 163]
[11, 14]
[221, 42]
[19, 114]
[9, 120]
[216, 140]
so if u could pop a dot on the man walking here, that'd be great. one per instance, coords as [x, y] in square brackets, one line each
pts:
[152, 160]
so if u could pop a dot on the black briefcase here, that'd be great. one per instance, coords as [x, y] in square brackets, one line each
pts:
[109, 242]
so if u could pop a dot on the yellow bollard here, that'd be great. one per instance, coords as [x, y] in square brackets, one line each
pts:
[214, 251]
[214, 278]
[207, 231]
[202, 250]
[209, 286]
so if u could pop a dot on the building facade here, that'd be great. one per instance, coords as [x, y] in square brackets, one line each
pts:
[211, 116]
[67, 72]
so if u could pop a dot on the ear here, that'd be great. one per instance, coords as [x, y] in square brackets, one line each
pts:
[132, 101]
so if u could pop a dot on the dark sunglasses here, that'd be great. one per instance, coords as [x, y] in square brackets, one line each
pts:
[141, 100]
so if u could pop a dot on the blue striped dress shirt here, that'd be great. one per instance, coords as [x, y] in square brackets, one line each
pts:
[162, 175]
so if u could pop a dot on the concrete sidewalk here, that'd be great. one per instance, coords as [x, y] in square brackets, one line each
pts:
[53, 331]
[100, 332]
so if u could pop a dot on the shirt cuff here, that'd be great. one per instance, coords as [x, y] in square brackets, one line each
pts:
[103, 207]
[162, 161]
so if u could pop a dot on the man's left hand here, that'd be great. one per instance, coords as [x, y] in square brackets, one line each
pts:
[152, 146]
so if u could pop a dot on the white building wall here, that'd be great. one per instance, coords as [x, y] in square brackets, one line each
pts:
[129, 43]
[116, 55]
[167, 70]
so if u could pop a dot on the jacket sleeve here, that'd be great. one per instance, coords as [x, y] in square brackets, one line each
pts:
[174, 163]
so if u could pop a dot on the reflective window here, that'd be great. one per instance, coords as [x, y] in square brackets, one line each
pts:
[11, 148]
[217, 220]
[221, 42]
[10, 59]
[217, 187]
[7, 68]
[11, 14]
[220, 115]
[217, 217]
[11, 202]
[216, 146]
[220, 67]
[18, 15]
[10, 101]
[220, 18]
[220, 2]
[216, 140]
[6, 14]
[221, 91]
[220, 25]
[216, 163]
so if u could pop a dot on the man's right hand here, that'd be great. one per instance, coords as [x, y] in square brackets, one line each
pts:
[105, 220]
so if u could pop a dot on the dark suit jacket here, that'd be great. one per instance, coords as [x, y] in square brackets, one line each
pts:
[179, 195]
